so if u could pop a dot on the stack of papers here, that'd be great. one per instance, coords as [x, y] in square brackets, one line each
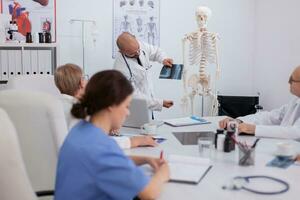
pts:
[188, 169]
[186, 121]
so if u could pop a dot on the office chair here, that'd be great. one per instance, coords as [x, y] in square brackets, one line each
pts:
[14, 182]
[237, 106]
[40, 123]
[39, 83]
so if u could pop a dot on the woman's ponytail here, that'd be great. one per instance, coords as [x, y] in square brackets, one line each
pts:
[79, 111]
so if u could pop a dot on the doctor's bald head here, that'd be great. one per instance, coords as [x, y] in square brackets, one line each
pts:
[128, 45]
[294, 82]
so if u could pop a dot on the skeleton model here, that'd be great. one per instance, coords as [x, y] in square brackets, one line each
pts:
[202, 52]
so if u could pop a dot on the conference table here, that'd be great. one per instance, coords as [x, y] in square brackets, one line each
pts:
[224, 167]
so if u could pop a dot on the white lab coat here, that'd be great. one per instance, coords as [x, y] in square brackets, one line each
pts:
[140, 79]
[68, 101]
[280, 123]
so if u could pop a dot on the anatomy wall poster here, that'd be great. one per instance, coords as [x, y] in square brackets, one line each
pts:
[139, 17]
[32, 15]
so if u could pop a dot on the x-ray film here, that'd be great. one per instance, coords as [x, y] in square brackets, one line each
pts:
[175, 72]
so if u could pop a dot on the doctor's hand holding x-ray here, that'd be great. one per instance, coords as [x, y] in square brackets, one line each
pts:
[133, 60]
[283, 122]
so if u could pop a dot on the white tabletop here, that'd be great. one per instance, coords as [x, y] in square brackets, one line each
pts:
[224, 167]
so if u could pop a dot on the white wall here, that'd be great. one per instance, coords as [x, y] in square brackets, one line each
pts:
[233, 20]
[277, 49]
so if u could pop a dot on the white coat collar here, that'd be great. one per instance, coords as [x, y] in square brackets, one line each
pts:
[298, 100]
[69, 98]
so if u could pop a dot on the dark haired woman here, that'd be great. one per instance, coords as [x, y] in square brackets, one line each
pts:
[91, 165]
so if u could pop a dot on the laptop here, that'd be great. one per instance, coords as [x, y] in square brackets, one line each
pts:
[139, 114]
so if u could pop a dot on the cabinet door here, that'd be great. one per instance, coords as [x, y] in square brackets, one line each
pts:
[45, 62]
[11, 63]
[34, 60]
[27, 62]
[18, 60]
[14, 62]
[4, 65]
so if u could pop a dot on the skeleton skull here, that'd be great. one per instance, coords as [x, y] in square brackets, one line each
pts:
[202, 15]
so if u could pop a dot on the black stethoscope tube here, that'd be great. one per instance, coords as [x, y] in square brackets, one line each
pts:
[247, 179]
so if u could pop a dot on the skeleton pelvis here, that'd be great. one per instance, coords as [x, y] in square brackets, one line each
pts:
[204, 81]
[196, 80]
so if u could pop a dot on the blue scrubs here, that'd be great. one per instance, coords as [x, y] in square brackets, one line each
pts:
[91, 166]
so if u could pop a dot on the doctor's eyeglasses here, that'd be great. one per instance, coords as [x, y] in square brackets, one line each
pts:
[292, 80]
[132, 55]
[86, 77]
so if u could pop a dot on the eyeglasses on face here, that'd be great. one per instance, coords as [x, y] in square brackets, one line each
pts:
[131, 55]
[86, 77]
[292, 80]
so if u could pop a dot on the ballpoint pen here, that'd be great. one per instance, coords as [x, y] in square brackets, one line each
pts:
[253, 146]
[161, 157]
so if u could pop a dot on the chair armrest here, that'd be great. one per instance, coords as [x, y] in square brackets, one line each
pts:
[44, 193]
[258, 107]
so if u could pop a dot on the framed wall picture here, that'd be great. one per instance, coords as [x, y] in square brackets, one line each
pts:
[32, 15]
[138, 17]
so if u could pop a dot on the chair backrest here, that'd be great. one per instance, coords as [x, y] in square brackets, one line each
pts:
[40, 83]
[14, 182]
[237, 106]
[40, 123]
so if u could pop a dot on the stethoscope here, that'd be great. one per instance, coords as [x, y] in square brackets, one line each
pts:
[237, 184]
[131, 78]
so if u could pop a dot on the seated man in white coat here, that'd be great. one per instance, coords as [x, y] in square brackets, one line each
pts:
[283, 122]
[133, 60]
[71, 83]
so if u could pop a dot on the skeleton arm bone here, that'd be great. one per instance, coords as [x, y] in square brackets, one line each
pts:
[218, 72]
[214, 105]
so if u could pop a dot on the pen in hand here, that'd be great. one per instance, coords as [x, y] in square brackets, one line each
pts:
[161, 157]
[254, 145]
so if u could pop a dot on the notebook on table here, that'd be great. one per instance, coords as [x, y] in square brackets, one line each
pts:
[186, 121]
[187, 169]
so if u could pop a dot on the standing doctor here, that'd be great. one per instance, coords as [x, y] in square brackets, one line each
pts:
[283, 122]
[133, 60]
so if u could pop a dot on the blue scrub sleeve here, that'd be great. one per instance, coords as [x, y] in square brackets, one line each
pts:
[114, 173]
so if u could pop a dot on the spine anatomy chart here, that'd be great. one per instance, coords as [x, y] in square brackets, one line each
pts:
[202, 52]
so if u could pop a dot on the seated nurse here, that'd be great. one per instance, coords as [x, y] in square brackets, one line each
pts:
[70, 82]
[91, 165]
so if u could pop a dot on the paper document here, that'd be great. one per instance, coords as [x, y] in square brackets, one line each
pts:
[186, 121]
[188, 169]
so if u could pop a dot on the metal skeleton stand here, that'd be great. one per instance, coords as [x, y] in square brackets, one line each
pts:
[83, 22]
[202, 106]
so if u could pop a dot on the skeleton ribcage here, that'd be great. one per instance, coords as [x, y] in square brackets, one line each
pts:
[202, 49]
